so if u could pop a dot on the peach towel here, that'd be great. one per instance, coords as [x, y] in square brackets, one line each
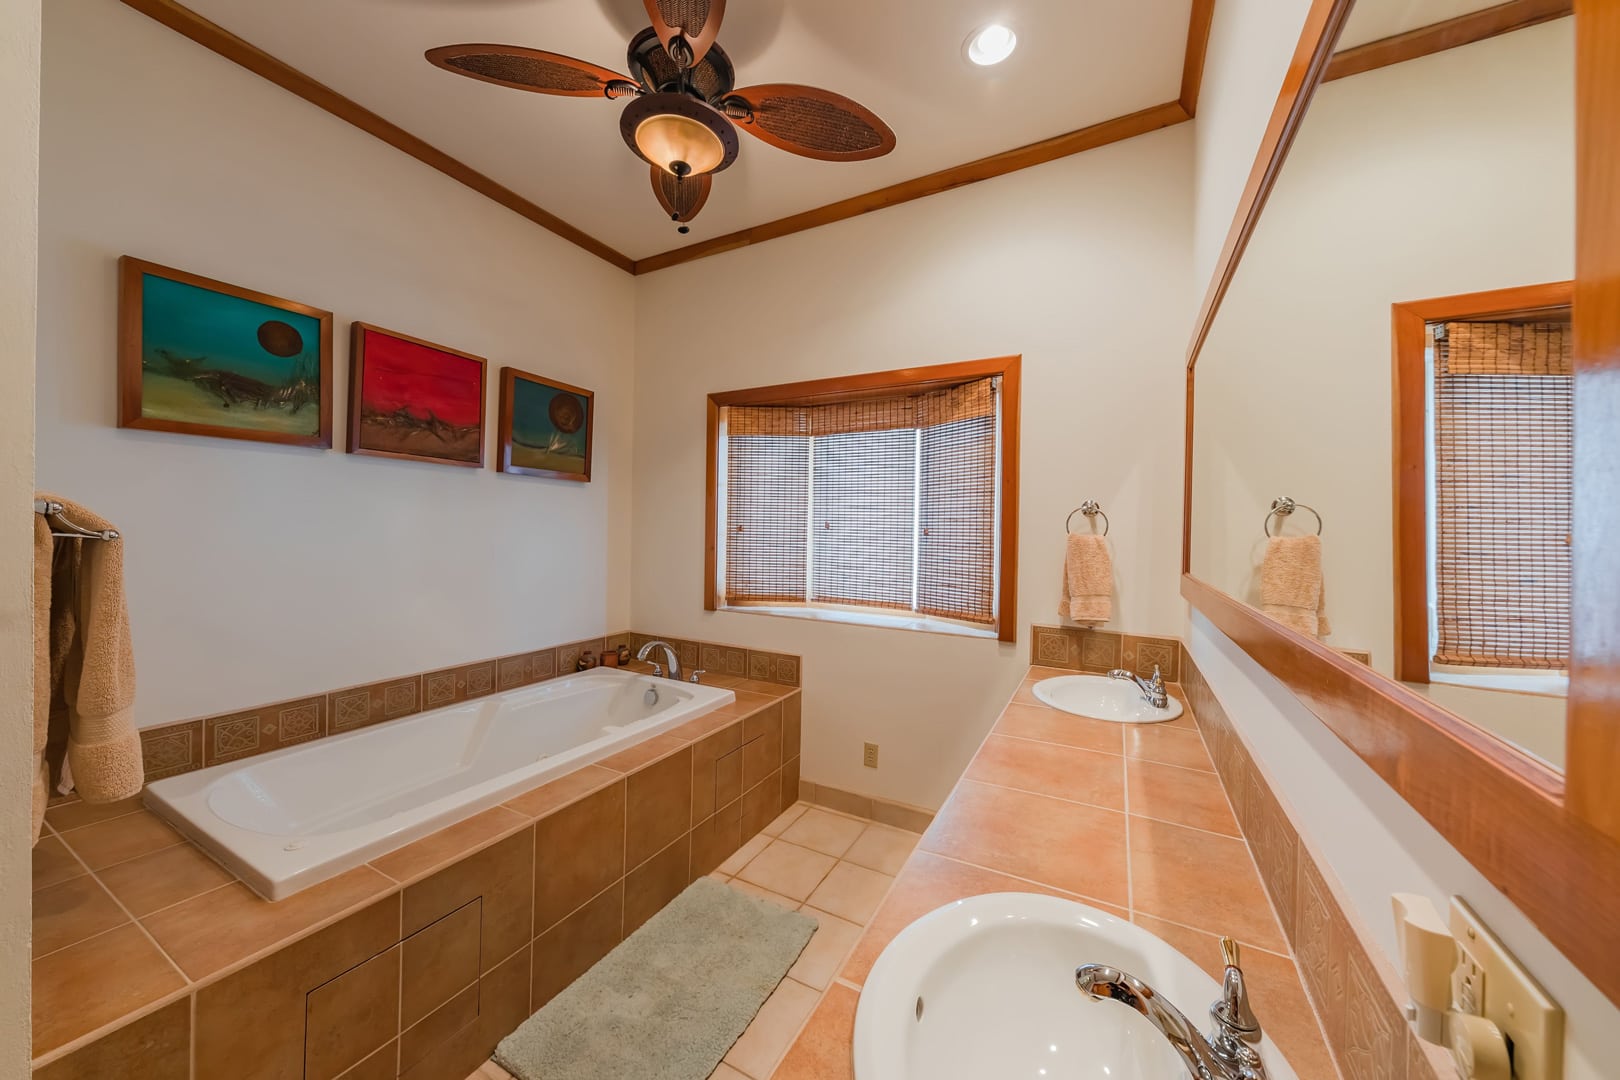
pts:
[1088, 580]
[1291, 588]
[84, 665]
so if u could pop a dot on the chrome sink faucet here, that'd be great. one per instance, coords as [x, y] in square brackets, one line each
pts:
[1153, 691]
[673, 670]
[1227, 1053]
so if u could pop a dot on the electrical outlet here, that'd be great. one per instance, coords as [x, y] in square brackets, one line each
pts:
[869, 758]
[1490, 982]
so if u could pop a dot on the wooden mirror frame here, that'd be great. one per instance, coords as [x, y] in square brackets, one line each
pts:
[1550, 842]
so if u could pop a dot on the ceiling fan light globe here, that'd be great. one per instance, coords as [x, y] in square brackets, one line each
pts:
[679, 134]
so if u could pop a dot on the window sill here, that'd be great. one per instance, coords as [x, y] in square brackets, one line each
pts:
[881, 620]
[1548, 685]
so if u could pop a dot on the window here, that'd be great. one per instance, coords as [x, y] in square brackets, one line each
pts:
[888, 499]
[1485, 410]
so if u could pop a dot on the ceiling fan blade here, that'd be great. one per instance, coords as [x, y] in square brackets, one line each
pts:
[681, 196]
[696, 22]
[532, 69]
[809, 121]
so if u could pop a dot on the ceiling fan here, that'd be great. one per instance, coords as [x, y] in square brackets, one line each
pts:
[685, 114]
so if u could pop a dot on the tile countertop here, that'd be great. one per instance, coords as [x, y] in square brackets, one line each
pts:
[1161, 847]
[128, 915]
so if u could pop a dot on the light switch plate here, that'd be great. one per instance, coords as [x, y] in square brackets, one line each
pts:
[1505, 994]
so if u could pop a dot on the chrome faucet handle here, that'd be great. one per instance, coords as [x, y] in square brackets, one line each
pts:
[1158, 679]
[658, 669]
[1232, 1015]
[695, 674]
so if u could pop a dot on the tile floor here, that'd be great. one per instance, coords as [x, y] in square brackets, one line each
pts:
[834, 868]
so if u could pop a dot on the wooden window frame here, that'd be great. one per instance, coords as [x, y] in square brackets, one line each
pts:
[1549, 842]
[916, 380]
[1409, 332]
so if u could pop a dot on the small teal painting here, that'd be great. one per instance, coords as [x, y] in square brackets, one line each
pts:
[218, 360]
[546, 427]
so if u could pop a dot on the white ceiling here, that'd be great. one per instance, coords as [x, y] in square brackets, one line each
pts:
[1078, 62]
[1371, 20]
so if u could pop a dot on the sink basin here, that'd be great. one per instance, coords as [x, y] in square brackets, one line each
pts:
[1103, 699]
[984, 987]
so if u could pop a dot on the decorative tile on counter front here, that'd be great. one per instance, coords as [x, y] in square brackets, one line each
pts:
[1142, 654]
[1100, 650]
[1051, 646]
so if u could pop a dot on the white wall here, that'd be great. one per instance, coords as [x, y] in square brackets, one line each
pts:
[19, 189]
[258, 572]
[1376, 844]
[1080, 266]
[1250, 45]
[1450, 174]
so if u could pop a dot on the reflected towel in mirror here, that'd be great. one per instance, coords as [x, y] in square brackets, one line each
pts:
[1291, 587]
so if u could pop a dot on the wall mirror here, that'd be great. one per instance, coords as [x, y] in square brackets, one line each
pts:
[1399, 389]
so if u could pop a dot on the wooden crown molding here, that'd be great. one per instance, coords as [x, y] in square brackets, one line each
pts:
[216, 38]
[1440, 36]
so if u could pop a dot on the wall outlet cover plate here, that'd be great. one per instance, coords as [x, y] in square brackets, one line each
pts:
[1510, 998]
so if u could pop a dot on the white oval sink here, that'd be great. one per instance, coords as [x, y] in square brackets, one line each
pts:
[1103, 699]
[984, 987]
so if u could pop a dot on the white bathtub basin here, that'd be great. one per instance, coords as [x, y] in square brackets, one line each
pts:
[984, 987]
[288, 819]
[1103, 699]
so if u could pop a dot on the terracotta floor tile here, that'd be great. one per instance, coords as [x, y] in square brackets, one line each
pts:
[1200, 880]
[821, 959]
[1275, 993]
[822, 1051]
[561, 791]
[784, 902]
[759, 1048]
[117, 839]
[826, 832]
[1183, 796]
[1062, 772]
[726, 1072]
[882, 849]
[68, 913]
[851, 892]
[1049, 725]
[928, 882]
[788, 869]
[1156, 742]
[744, 855]
[786, 818]
[1074, 848]
[82, 987]
[53, 863]
[164, 877]
[643, 753]
[76, 815]
[219, 928]
[436, 850]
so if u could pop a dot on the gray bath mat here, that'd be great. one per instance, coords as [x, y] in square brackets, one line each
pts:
[671, 999]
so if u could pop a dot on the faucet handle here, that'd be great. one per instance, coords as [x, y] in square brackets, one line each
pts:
[694, 676]
[1231, 1013]
[1229, 952]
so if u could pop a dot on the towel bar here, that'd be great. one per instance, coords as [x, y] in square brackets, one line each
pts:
[1281, 507]
[1091, 509]
[53, 511]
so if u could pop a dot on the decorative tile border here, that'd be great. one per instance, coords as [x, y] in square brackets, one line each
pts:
[1082, 649]
[172, 749]
[1353, 986]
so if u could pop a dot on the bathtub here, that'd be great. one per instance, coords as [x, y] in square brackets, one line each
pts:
[288, 819]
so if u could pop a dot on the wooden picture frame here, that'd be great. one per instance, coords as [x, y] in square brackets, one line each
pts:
[1549, 842]
[519, 451]
[192, 349]
[425, 400]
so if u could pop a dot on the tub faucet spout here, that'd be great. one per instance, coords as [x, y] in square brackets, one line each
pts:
[673, 670]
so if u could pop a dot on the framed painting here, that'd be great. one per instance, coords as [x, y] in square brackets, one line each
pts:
[201, 357]
[412, 399]
[546, 427]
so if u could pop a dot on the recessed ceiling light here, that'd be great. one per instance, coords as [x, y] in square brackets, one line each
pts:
[991, 45]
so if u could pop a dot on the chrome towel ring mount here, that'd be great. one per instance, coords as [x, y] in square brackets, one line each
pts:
[1092, 510]
[1283, 506]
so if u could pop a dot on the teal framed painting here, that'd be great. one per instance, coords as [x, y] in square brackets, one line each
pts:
[546, 427]
[202, 357]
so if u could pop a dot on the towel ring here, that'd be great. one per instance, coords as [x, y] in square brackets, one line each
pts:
[1091, 510]
[1282, 507]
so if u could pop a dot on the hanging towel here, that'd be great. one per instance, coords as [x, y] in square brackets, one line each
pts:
[1291, 588]
[84, 667]
[1088, 580]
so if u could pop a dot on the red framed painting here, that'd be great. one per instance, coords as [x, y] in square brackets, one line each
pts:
[414, 400]
[546, 427]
